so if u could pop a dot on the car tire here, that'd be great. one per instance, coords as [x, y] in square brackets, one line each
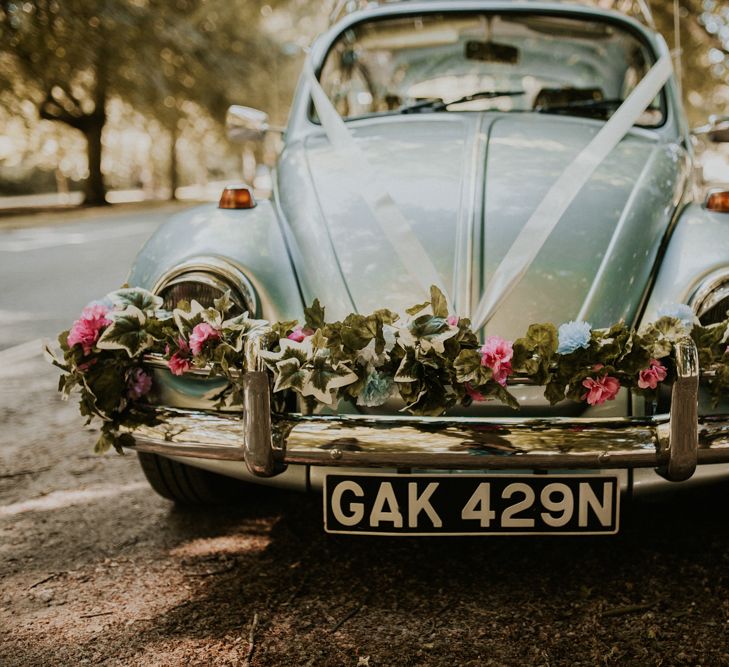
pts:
[187, 485]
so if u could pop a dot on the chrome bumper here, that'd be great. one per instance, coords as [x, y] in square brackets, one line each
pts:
[672, 444]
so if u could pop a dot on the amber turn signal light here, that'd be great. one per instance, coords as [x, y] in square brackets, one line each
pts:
[718, 201]
[237, 196]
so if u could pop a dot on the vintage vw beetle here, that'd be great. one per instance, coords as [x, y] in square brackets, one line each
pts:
[469, 112]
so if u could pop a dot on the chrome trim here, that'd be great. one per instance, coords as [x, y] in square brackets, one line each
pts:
[705, 290]
[437, 443]
[683, 442]
[217, 269]
[268, 443]
[258, 446]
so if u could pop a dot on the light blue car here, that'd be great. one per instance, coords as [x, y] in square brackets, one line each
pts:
[469, 111]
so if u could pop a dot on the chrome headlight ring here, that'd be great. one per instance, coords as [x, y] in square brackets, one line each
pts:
[217, 275]
[710, 300]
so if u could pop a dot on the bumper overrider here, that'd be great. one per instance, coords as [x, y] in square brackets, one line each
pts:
[674, 444]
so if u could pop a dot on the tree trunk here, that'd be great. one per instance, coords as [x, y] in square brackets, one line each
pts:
[94, 188]
[174, 180]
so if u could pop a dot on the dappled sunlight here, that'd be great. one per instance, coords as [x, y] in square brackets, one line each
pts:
[61, 499]
[223, 544]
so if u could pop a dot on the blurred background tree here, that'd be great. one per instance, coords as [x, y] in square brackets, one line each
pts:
[172, 61]
[131, 94]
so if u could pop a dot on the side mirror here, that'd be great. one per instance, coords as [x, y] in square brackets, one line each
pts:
[716, 130]
[246, 124]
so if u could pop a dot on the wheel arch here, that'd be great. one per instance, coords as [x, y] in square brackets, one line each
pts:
[697, 252]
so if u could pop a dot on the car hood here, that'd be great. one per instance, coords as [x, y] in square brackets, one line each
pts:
[467, 183]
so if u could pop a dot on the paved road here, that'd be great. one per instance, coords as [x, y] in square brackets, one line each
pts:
[50, 270]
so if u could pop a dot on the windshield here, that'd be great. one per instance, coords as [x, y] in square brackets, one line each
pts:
[479, 62]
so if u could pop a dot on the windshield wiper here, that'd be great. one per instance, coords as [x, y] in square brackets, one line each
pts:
[598, 105]
[438, 104]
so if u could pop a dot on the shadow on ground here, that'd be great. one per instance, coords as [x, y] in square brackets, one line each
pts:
[655, 594]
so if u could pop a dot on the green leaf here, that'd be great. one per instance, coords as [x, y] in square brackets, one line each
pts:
[505, 397]
[414, 310]
[126, 332]
[468, 367]
[324, 379]
[289, 375]
[543, 337]
[438, 302]
[554, 392]
[409, 369]
[289, 350]
[224, 303]
[104, 443]
[314, 316]
[357, 331]
[138, 298]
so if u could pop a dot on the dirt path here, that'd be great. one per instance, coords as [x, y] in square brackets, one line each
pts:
[97, 570]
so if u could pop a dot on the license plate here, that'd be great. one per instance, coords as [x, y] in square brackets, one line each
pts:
[461, 504]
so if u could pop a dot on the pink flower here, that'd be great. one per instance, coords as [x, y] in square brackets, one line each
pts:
[453, 320]
[86, 329]
[649, 378]
[299, 334]
[496, 353]
[600, 389]
[473, 393]
[200, 334]
[179, 362]
[139, 384]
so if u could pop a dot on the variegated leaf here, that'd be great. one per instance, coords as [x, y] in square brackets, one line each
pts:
[126, 332]
[323, 380]
[140, 298]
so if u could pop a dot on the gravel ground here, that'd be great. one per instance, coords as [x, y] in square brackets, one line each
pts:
[96, 569]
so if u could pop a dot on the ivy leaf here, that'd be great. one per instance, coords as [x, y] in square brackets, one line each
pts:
[224, 303]
[438, 302]
[238, 328]
[414, 310]
[429, 332]
[138, 298]
[126, 332]
[357, 331]
[314, 316]
[289, 375]
[290, 349]
[324, 379]
[408, 371]
[104, 443]
[186, 320]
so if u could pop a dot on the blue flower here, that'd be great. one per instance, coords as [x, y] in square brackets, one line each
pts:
[574, 335]
[376, 390]
[678, 311]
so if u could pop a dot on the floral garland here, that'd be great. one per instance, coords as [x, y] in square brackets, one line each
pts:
[431, 359]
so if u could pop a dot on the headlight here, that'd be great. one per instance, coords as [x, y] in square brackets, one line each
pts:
[204, 283]
[711, 300]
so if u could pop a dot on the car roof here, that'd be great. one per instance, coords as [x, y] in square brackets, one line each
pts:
[639, 10]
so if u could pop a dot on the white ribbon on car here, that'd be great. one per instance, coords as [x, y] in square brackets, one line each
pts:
[541, 223]
[550, 210]
[374, 192]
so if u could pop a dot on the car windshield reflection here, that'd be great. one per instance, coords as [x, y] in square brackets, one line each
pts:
[487, 62]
